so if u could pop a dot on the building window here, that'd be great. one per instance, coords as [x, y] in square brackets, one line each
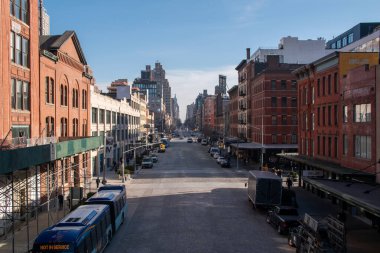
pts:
[363, 147]
[319, 145]
[345, 114]
[75, 98]
[329, 84]
[273, 84]
[283, 84]
[294, 119]
[108, 117]
[284, 119]
[101, 116]
[324, 116]
[336, 83]
[333, 45]
[336, 147]
[350, 38]
[319, 87]
[293, 139]
[20, 95]
[19, 47]
[312, 95]
[335, 115]
[274, 120]
[113, 117]
[284, 102]
[329, 115]
[49, 128]
[319, 116]
[274, 102]
[84, 128]
[84, 99]
[293, 85]
[324, 86]
[63, 127]
[94, 115]
[324, 145]
[329, 146]
[63, 95]
[312, 121]
[49, 90]
[362, 113]
[345, 144]
[338, 44]
[20, 10]
[75, 127]
[294, 102]
[274, 139]
[344, 42]
[284, 140]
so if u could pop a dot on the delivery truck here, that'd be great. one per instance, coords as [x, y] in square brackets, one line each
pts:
[264, 189]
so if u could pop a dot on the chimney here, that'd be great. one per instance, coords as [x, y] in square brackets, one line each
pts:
[248, 53]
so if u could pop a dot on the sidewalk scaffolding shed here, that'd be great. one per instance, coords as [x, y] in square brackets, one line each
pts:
[264, 188]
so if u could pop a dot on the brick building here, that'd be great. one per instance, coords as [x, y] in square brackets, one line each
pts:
[43, 124]
[233, 111]
[209, 115]
[330, 91]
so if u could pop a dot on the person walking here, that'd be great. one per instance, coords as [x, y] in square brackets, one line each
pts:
[289, 183]
[97, 183]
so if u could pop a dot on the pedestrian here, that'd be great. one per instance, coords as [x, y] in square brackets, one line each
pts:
[97, 183]
[115, 166]
[289, 183]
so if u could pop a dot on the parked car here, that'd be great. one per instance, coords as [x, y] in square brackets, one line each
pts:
[219, 159]
[154, 158]
[216, 155]
[147, 162]
[204, 142]
[214, 150]
[189, 140]
[283, 218]
[225, 163]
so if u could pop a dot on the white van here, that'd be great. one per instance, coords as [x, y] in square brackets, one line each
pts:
[214, 150]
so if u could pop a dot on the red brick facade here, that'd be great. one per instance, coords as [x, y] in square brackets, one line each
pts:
[233, 111]
[209, 115]
[24, 33]
[325, 127]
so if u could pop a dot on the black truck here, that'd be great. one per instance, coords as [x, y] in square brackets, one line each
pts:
[283, 218]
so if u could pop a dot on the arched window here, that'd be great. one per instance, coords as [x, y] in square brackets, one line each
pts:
[75, 127]
[63, 127]
[84, 128]
[51, 90]
[65, 95]
[49, 126]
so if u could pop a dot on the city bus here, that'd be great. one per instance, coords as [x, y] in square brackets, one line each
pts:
[86, 229]
[115, 197]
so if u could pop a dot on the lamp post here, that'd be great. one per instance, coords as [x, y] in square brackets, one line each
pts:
[237, 157]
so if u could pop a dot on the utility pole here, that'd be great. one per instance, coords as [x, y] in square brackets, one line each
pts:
[122, 163]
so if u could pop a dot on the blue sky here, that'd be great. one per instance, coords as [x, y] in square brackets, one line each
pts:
[195, 40]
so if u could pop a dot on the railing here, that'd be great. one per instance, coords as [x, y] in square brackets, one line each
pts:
[22, 142]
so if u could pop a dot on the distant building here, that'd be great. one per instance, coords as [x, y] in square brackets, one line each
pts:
[190, 111]
[45, 26]
[293, 50]
[352, 35]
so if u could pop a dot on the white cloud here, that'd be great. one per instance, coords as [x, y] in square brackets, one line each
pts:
[188, 83]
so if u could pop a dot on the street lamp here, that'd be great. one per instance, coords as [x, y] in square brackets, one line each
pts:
[104, 181]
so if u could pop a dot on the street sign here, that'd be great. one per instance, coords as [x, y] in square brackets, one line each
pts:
[109, 147]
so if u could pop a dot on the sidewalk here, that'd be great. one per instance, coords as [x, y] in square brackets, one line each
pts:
[44, 220]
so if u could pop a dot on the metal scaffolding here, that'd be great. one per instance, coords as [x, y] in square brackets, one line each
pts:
[35, 198]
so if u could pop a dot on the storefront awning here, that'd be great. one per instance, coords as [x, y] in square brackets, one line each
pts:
[255, 145]
[324, 165]
[362, 195]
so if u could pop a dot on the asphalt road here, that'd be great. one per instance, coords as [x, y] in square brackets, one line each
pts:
[187, 203]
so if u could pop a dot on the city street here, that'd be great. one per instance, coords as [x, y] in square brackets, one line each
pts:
[187, 203]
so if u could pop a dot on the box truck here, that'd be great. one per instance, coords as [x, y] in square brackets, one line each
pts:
[264, 189]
